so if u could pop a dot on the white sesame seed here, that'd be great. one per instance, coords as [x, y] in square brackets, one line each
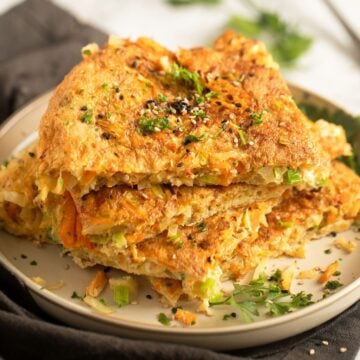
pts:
[251, 143]
[343, 349]
[236, 83]
[193, 121]
[233, 171]
[156, 129]
[155, 112]
[232, 116]
[236, 140]
[126, 177]
[174, 256]
[312, 351]
[324, 342]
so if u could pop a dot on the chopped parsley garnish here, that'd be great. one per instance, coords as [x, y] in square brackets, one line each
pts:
[87, 52]
[148, 126]
[198, 112]
[257, 118]
[292, 177]
[285, 224]
[337, 273]
[193, 138]
[242, 136]
[202, 227]
[229, 316]
[75, 295]
[105, 86]
[263, 293]
[174, 309]
[327, 251]
[211, 94]
[33, 263]
[6, 163]
[189, 78]
[333, 285]
[163, 319]
[162, 98]
[116, 89]
[87, 117]
[179, 244]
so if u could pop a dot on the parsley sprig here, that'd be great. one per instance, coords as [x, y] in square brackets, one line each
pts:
[189, 78]
[286, 43]
[150, 125]
[264, 292]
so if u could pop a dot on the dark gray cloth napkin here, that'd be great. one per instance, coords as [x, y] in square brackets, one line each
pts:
[39, 43]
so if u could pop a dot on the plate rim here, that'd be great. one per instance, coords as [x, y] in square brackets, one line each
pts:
[68, 305]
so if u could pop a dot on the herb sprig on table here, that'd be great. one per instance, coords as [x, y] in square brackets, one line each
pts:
[264, 293]
[285, 42]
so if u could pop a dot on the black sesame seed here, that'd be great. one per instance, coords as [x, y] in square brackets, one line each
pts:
[84, 108]
[248, 109]
[333, 234]
[180, 164]
[106, 136]
[230, 97]
[31, 154]
[238, 105]
[121, 97]
[179, 106]
[100, 116]
[218, 103]
[233, 314]
[148, 296]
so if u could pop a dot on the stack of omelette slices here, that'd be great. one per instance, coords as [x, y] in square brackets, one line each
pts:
[187, 168]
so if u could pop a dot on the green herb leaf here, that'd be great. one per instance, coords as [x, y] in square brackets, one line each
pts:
[292, 177]
[189, 78]
[162, 98]
[263, 293]
[75, 295]
[33, 263]
[148, 126]
[257, 118]
[202, 227]
[163, 319]
[87, 117]
[244, 26]
[198, 112]
[87, 52]
[193, 138]
[333, 285]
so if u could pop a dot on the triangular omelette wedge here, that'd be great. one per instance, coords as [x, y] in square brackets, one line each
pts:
[135, 113]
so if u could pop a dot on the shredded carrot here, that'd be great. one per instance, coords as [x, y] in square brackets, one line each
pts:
[97, 284]
[330, 270]
[12, 210]
[67, 232]
[185, 317]
[81, 240]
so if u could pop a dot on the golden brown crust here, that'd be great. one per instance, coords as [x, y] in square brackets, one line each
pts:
[111, 149]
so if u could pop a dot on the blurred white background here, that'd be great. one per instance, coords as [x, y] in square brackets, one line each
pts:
[331, 68]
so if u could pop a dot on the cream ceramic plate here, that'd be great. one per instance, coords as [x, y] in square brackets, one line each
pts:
[140, 320]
